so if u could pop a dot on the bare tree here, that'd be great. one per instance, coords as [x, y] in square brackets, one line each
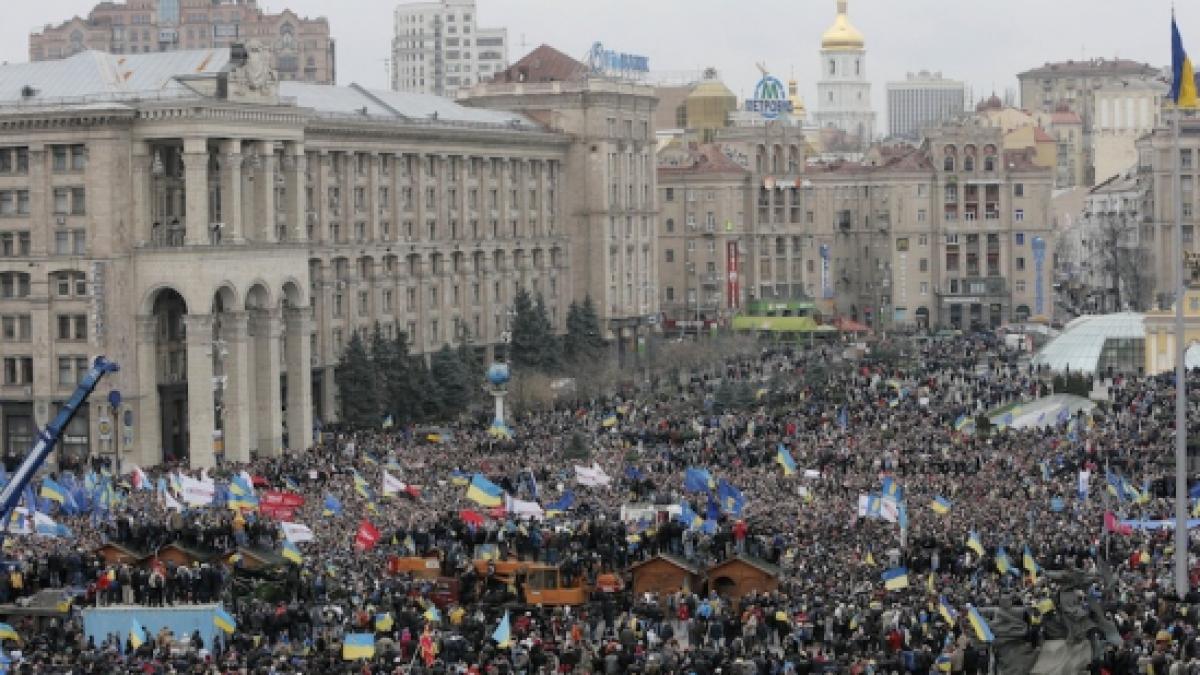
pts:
[1122, 261]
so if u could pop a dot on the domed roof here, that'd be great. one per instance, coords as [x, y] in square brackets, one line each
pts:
[711, 89]
[794, 96]
[841, 35]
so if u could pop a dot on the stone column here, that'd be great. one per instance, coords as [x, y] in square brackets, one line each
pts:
[201, 414]
[264, 191]
[237, 386]
[298, 324]
[141, 194]
[195, 167]
[231, 190]
[147, 419]
[329, 411]
[297, 203]
[41, 202]
[268, 408]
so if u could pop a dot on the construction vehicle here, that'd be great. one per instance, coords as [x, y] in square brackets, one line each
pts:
[47, 438]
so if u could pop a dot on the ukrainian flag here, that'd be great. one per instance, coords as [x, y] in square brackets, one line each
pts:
[784, 458]
[1183, 85]
[459, 478]
[291, 553]
[384, 622]
[689, 517]
[929, 584]
[137, 634]
[1002, 562]
[947, 611]
[961, 422]
[7, 633]
[982, 630]
[1030, 564]
[332, 506]
[892, 489]
[432, 614]
[974, 543]
[870, 559]
[940, 505]
[503, 632]
[358, 646]
[361, 487]
[224, 621]
[943, 663]
[895, 578]
[484, 492]
[609, 422]
[242, 502]
[53, 491]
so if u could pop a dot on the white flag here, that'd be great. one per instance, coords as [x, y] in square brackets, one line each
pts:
[196, 492]
[171, 503]
[392, 485]
[298, 533]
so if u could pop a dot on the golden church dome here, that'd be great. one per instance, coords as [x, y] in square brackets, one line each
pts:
[798, 109]
[841, 35]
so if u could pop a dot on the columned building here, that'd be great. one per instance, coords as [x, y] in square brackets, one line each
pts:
[224, 238]
[844, 109]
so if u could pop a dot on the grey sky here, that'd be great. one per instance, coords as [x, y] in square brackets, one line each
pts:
[984, 42]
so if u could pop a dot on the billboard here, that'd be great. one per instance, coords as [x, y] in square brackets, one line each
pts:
[732, 283]
[770, 98]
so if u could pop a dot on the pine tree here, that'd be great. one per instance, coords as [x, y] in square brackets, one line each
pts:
[551, 352]
[572, 341]
[527, 340]
[401, 389]
[591, 337]
[473, 369]
[450, 374]
[357, 385]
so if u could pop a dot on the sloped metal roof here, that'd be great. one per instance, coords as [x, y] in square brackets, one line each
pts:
[99, 76]
[359, 100]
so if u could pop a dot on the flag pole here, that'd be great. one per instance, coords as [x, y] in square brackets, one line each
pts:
[1181, 531]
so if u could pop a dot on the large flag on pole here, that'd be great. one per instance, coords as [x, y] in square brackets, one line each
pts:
[1183, 76]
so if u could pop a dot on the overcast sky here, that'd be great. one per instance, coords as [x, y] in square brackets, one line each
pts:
[983, 42]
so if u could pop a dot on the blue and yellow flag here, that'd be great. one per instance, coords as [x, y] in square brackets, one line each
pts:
[689, 517]
[982, 630]
[1030, 564]
[384, 622]
[503, 633]
[224, 621]
[484, 492]
[7, 633]
[358, 646]
[332, 506]
[1183, 76]
[459, 478]
[975, 543]
[53, 491]
[291, 553]
[432, 614]
[1003, 564]
[696, 479]
[947, 611]
[784, 458]
[895, 578]
[940, 505]
[137, 634]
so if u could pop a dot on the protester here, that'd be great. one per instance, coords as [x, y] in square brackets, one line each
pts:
[883, 588]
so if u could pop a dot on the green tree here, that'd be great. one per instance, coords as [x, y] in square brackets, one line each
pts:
[534, 346]
[450, 374]
[473, 367]
[583, 343]
[358, 386]
[401, 386]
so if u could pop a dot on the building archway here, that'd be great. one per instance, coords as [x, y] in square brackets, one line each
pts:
[169, 341]
[263, 372]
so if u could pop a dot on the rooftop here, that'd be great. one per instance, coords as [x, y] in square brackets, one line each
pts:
[1082, 341]
[1099, 66]
[543, 64]
[94, 77]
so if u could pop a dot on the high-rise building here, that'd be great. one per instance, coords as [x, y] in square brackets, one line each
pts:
[1074, 85]
[301, 48]
[610, 210]
[843, 92]
[921, 101]
[438, 48]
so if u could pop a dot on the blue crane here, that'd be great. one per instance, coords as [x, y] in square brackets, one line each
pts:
[46, 440]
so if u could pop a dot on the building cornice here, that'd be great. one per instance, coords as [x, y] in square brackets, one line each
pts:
[13, 118]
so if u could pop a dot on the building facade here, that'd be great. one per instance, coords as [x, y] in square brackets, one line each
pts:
[610, 183]
[923, 100]
[1104, 259]
[301, 48]
[1157, 159]
[439, 48]
[1124, 113]
[844, 92]
[1074, 85]
[223, 239]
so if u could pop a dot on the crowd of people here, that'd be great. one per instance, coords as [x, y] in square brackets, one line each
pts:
[1014, 540]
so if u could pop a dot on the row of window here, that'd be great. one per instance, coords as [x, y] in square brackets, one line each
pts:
[62, 284]
[388, 305]
[19, 327]
[71, 242]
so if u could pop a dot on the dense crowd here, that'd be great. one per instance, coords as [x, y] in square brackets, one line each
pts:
[850, 426]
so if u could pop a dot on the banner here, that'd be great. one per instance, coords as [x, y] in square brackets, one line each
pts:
[279, 504]
[732, 283]
[196, 492]
[826, 289]
[298, 533]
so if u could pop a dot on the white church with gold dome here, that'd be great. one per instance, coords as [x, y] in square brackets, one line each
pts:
[843, 90]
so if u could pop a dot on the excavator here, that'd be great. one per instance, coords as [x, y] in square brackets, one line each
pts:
[47, 438]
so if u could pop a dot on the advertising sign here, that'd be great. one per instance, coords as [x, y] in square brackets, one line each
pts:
[770, 98]
[732, 283]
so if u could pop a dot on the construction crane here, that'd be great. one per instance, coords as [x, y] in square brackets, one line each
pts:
[47, 438]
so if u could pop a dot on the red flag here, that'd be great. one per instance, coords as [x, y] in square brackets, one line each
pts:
[1113, 525]
[471, 517]
[366, 537]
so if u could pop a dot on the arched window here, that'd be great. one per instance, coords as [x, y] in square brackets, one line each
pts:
[968, 163]
[832, 67]
[948, 163]
[670, 224]
[857, 67]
